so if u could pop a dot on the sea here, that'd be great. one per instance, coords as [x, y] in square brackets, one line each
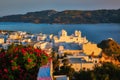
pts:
[93, 32]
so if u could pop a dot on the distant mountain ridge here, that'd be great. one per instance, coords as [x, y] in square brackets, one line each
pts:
[66, 17]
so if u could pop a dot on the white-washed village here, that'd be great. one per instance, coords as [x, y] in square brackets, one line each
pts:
[80, 53]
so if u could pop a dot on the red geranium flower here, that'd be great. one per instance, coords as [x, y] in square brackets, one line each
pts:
[29, 60]
[23, 51]
[5, 70]
[11, 61]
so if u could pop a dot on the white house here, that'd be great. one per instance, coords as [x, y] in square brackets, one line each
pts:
[81, 62]
[46, 46]
[1, 40]
[61, 77]
[91, 49]
[69, 48]
[14, 35]
[5, 46]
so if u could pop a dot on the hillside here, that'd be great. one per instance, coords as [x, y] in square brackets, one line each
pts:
[111, 51]
[110, 47]
[66, 17]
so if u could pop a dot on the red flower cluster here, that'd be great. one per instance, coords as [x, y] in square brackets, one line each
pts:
[19, 62]
[29, 60]
[6, 70]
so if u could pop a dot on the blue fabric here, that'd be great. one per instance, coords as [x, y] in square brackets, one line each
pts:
[44, 72]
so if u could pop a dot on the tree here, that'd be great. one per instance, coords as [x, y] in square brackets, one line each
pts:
[107, 71]
[83, 75]
[56, 65]
[67, 70]
[65, 62]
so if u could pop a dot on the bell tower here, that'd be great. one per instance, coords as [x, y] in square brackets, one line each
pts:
[63, 33]
[77, 33]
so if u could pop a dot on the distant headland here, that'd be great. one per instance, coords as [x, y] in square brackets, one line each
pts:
[66, 17]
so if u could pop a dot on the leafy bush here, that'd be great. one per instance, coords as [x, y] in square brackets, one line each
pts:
[21, 63]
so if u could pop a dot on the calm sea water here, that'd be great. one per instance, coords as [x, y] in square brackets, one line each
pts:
[94, 32]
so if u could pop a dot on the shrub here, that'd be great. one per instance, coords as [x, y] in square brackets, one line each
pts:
[21, 63]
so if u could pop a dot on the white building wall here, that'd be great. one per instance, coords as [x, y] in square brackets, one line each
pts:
[91, 49]
[1, 40]
[79, 66]
[63, 37]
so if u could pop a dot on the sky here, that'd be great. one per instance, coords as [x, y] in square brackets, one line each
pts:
[8, 7]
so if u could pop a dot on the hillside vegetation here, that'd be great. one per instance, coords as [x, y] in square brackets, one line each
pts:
[111, 49]
[66, 17]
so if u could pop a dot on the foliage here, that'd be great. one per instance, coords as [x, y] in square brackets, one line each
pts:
[65, 62]
[107, 71]
[83, 75]
[67, 70]
[55, 61]
[56, 65]
[21, 63]
[64, 70]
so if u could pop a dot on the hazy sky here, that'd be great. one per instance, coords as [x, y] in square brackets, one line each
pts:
[8, 7]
